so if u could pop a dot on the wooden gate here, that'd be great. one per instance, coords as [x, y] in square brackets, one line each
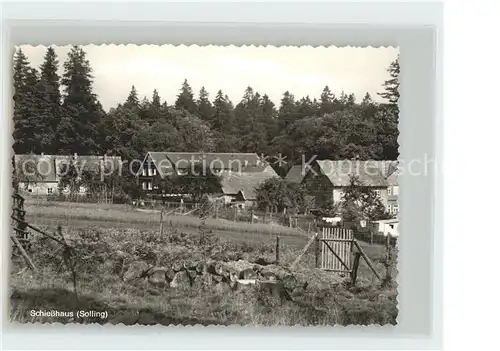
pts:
[336, 249]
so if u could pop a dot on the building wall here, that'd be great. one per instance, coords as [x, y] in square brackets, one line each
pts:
[39, 188]
[149, 176]
[392, 199]
[382, 193]
[45, 188]
[393, 190]
[338, 193]
[319, 186]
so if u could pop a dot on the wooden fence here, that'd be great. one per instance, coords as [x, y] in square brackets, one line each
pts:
[19, 226]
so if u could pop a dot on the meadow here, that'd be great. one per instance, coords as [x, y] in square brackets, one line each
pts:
[126, 216]
[100, 232]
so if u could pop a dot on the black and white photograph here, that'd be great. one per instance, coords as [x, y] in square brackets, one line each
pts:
[205, 185]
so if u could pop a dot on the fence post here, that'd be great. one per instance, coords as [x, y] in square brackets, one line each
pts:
[290, 221]
[161, 222]
[235, 213]
[277, 249]
[355, 265]
[316, 252]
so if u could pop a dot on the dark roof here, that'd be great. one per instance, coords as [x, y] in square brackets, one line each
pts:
[245, 182]
[39, 168]
[182, 160]
[339, 172]
[49, 166]
[295, 175]
[387, 167]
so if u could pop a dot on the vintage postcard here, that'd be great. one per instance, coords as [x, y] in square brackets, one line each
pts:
[212, 185]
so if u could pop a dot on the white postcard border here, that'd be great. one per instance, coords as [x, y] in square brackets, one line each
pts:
[415, 28]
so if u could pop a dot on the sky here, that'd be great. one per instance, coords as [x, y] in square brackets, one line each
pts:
[268, 70]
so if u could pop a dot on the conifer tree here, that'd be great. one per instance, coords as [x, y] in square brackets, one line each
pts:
[327, 101]
[156, 101]
[185, 99]
[132, 99]
[307, 108]
[79, 130]
[287, 113]
[26, 106]
[269, 117]
[50, 102]
[391, 86]
[205, 108]
[223, 123]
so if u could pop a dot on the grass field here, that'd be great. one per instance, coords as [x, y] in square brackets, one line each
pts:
[104, 230]
[125, 216]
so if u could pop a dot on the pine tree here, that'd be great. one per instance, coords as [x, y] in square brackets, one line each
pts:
[327, 101]
[21, 68]
[132, 99]
[269, 117]
[343, 99]
[79, 130]
[351, 100]
[368, 107]
[391, 86]
[156, 101]
[367, 99]
[307, 108]
[250, 127]
[185, 99]
[222, 120]
[48, 73]
[287, 113]
[26, 106]
[50, 100]
[223, 124]
[205, 108]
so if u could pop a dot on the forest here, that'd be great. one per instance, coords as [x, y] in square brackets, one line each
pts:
[62, 115]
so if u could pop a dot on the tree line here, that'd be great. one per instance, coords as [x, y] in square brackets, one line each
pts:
[62, 115]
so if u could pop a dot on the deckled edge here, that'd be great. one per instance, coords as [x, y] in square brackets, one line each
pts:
[235, 325]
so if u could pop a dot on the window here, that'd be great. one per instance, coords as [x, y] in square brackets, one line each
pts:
[389, 208]
[395, 209]
[49, 190]
[154, 171]
[144, 171]
[144, 185]
[150, 172]
[150, 186]
[377, 191]
[395, 190]
[389, 190]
